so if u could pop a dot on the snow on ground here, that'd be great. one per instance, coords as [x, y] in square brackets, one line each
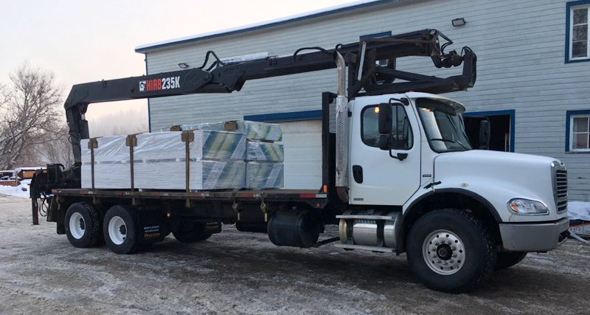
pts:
[21, 190]
[243, 273]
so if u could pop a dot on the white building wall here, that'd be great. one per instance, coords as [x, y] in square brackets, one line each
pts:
[520, 47]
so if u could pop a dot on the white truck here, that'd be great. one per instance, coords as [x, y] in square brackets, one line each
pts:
[399, 174]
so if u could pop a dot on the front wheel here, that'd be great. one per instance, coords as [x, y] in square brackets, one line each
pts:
[450, 250]
[508, 259]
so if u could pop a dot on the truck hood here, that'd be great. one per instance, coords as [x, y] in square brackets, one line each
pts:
[499, 177]
[495, 159]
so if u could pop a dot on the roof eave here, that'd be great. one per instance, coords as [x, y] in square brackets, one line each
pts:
[268, 24]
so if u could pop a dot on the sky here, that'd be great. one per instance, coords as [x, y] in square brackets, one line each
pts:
[82, 41]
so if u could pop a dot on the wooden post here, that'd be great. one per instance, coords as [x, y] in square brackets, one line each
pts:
[92, 144]
[131, 142]
[187, 137]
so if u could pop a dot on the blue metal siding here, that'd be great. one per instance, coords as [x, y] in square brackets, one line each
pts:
[376, 35]
[291, 116]
[246, 29]
[520, 49]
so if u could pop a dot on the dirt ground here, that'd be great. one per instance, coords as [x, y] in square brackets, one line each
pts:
[243, 273]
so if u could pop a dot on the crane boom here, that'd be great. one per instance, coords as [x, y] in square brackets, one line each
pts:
[371, 70]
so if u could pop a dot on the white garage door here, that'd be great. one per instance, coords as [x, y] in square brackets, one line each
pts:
[302, 141]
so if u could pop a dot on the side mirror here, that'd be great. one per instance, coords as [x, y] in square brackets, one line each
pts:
[385, 119]
[384, 142]
[484, 134]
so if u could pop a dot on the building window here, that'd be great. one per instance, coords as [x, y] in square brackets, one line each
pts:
[578, 131]
[579, 33]
[577, 48]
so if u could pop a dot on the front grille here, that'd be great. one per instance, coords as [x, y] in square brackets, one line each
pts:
[560, 186]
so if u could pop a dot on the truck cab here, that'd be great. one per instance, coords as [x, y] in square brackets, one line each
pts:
[411, 160]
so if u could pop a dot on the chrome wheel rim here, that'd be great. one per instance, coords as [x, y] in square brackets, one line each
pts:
[444, 252]
[117, 230]
[77, 225]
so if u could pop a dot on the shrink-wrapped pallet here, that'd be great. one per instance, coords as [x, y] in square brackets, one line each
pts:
[253, 130]
[216, 161]
[207, 145]
[264, 175]
[264, 152]
[111, 164]
[203, 175]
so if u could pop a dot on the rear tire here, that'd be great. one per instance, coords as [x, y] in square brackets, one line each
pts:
[508, 259]
[190, 232]
[82, 223]
[450, 250]
[120, 230]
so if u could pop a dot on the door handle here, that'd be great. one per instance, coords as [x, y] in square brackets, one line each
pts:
[357, 173]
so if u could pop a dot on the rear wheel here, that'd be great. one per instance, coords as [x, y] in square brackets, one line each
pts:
[450, 250]
[509, 259]
[119, 229]
[190, 232]
[82, 224]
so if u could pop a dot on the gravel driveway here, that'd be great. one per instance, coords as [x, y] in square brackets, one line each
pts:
[243, 273]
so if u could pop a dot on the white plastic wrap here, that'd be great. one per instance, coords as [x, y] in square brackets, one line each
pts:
[578, 210]
[264, 175]
[216, 161]
[204, 175]
[111, 164]
[264, 152]
[260, 131]
[252, 129]
[216, 126]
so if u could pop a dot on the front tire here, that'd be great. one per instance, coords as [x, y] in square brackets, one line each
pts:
[82, 223]
[450, 250]
[120, 230]
[508, 259]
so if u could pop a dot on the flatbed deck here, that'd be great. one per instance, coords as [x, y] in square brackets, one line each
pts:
[318, 200]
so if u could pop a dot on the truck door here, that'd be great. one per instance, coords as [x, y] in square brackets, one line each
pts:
[376, 177]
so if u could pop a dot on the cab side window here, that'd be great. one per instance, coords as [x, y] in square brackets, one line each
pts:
[402, 138]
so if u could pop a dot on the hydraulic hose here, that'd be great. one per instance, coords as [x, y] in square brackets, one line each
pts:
[577, 237]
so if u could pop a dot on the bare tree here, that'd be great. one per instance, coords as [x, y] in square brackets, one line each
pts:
[60, 149]
[30, 117]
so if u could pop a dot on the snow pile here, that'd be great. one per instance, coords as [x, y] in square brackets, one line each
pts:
[21, 190]
[578, 210]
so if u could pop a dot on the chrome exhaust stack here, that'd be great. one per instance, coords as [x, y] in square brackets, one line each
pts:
[342, 125]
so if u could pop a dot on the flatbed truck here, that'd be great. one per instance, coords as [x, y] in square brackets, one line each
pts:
[398, 172]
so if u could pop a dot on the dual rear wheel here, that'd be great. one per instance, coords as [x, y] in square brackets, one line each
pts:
[83, 224]
[86, 228]
[119, 228]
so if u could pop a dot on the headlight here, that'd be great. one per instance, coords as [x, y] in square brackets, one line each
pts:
[527, 207]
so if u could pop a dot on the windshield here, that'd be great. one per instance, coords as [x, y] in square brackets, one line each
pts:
[443, 125]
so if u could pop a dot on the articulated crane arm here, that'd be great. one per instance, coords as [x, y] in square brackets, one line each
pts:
[371, 70]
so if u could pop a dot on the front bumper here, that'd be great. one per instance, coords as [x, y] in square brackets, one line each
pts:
[533, 237]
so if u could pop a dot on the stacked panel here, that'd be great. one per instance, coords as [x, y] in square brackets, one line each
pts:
[216, 161]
